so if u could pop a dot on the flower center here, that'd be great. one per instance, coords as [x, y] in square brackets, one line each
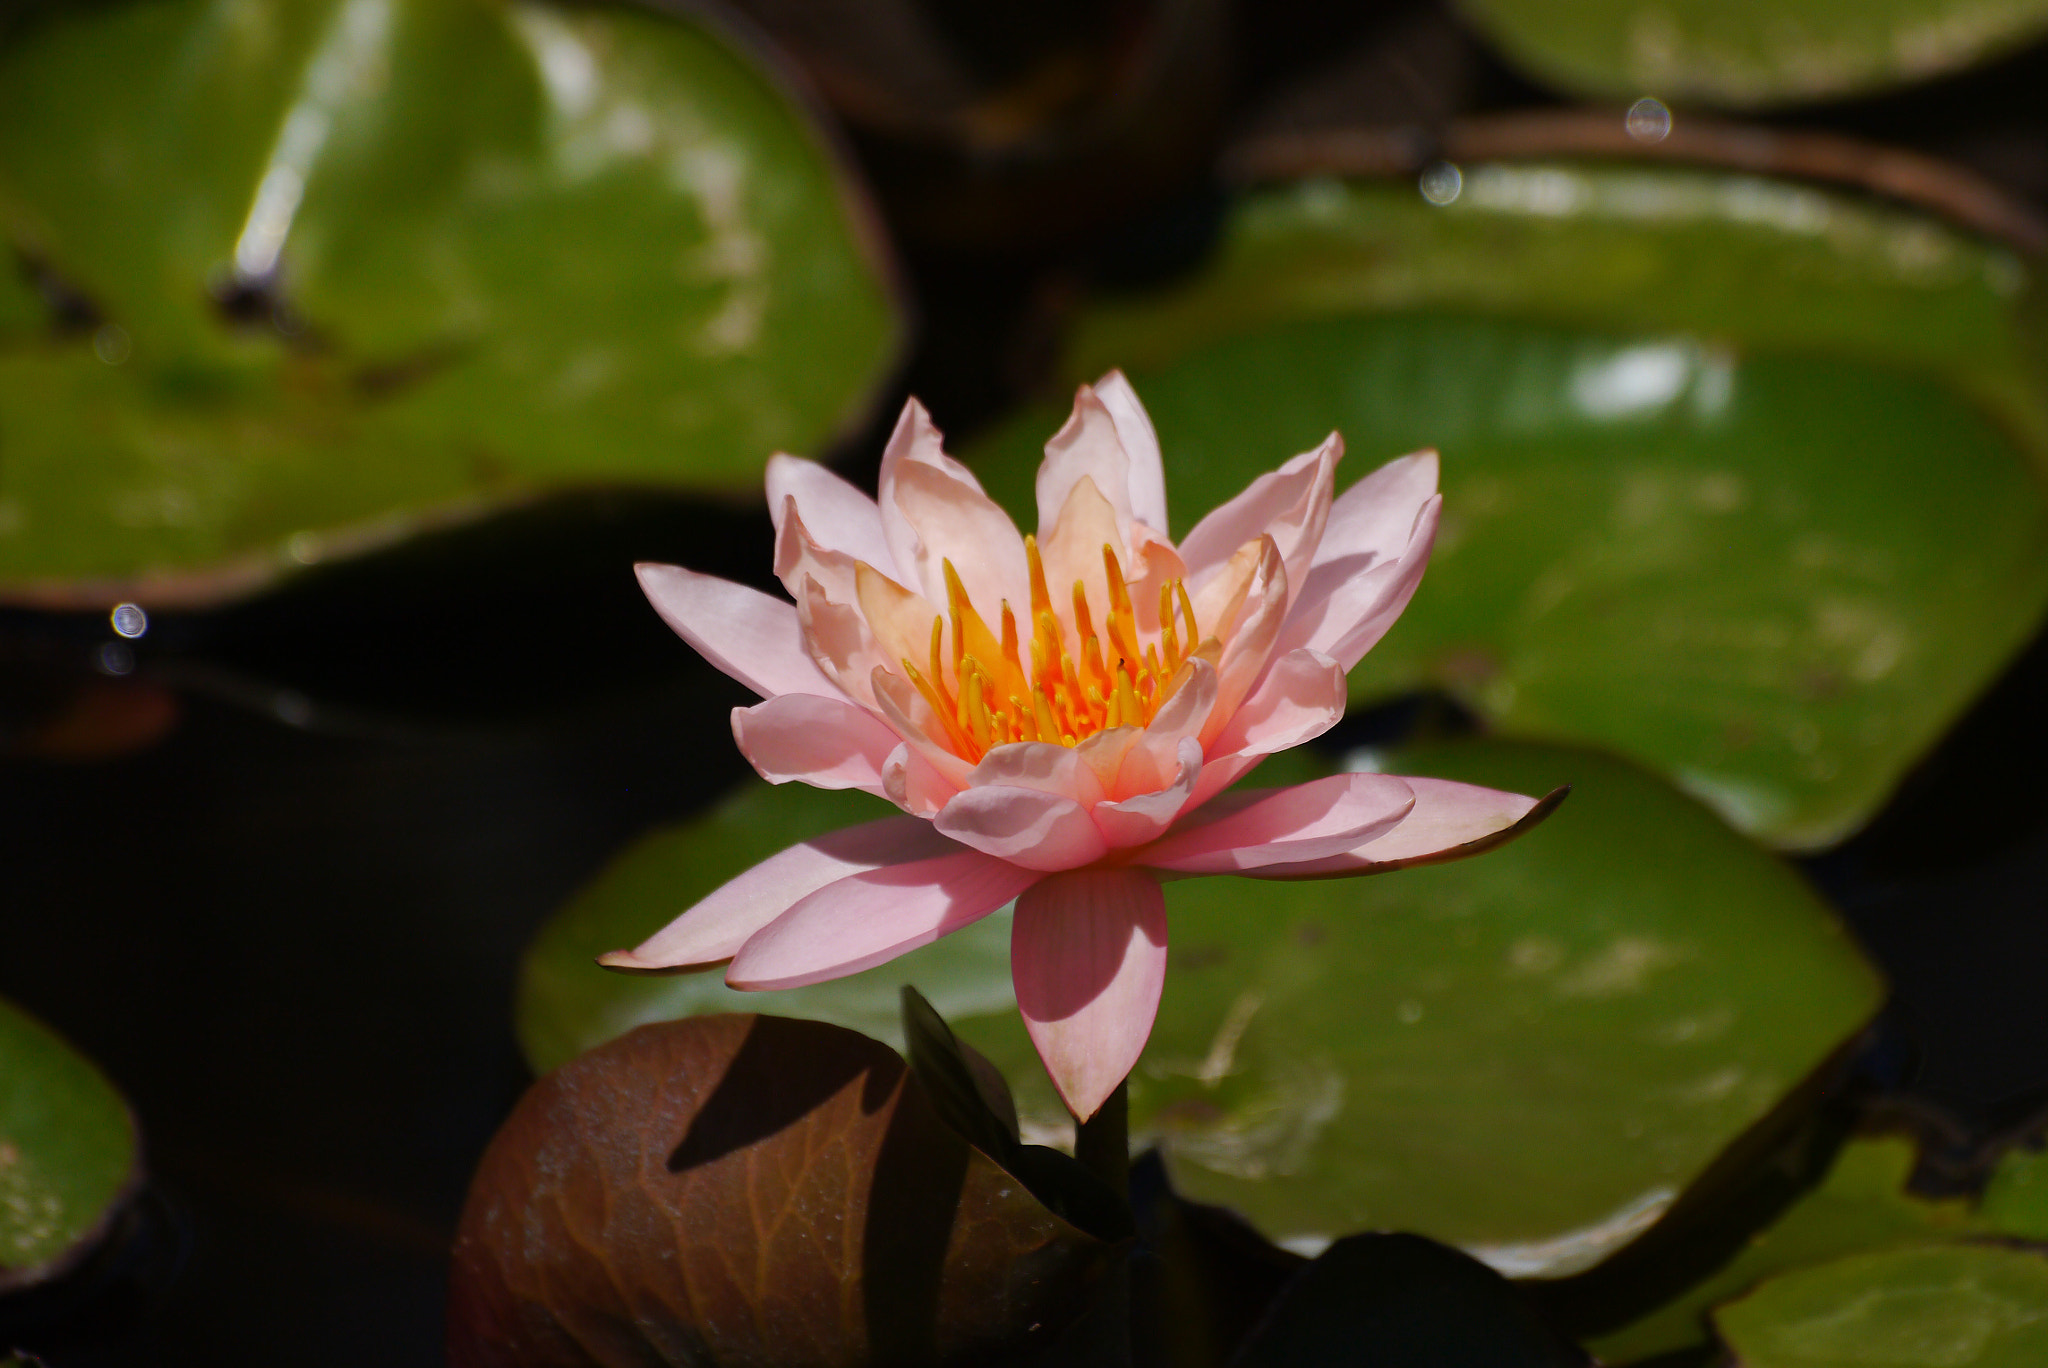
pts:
[988, 695]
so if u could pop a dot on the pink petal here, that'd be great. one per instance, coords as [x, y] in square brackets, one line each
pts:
[1043, 765]
[752, 637]
[1088, 956]
[958, 524]
[1283, 826]
[1301, 697]
[1072, 552]
[839, 642]
[826, 742]
[914, 441]
[913, 719]
[871, 917]
[1372, 521]
[1449, 822]
[1344, 614]
[1141, 447]
[1028, 827]
[1251, 642]
[1087, 447]
[722, 921]
[839, 516]
[1290, 504]
[799, 557]
[914, 783]
[1145, 816]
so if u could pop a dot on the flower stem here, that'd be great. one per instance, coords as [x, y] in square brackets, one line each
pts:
[1103, 1142]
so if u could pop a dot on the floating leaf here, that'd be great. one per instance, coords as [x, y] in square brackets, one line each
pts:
[1400, 1301]
[1935, 1306]
[68, 1154]
[567, 1004]
[348, 269]
[1861, 1206]
[1729, 466]
[2016, 1198]
[740, 1189]
[1528, 1054]
[1752, 52]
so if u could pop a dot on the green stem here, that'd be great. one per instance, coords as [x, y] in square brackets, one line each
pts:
[1103, 1142]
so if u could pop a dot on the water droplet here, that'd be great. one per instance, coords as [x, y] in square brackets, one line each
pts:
[1441, 181]
[112, 344]
[1648, 121]
[129, 619]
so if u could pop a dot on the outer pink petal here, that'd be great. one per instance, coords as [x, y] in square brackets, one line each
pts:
[914, 440]
[744, 632]
[839, 643]
[1141, 446]
[1449, 822]
[914, 783]
[1088, 956]
[1372, 521]
[1144, 817]
[1290, 504]
[1251, 643]
[1028, 827]
[826, 742]
[1284, 826]
[870, 918]
[1301, 697]
[799, 558]
[1090, 447]
[1345, 614]
[839, 516]
[722, 921]
[1043, 765]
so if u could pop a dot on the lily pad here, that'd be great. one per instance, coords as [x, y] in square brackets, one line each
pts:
[567, 1004]
[1736, 472]
[1861, 1206]
[1935, 1306]
[1528, 1054]
[347, 269]
[1751, 52]
[68, 1152]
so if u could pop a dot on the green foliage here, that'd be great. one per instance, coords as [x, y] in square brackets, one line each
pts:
[349, 269]
[68, 1154]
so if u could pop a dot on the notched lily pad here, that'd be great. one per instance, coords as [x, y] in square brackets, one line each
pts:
[1528, 1054]
[739, 1189]
[1932, 1306]
[349, 269]
[68, 1153]
[1752, 52]
[1736, 472]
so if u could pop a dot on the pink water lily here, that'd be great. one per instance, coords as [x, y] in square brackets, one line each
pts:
[1058, 715]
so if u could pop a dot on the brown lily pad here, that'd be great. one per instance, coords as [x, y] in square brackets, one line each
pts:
[751, 1190]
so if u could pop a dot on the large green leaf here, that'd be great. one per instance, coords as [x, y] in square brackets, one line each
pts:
[1935, 1306]
[1733, 470]
[357, 266]
[67, 1152]
[1861, 1206]
[1751, 52]
[1529, 1053]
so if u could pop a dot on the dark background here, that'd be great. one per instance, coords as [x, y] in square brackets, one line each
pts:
[285, 916]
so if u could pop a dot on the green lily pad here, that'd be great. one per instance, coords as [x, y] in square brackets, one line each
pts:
[1736, 472]
[1751, 52]
[357, 267]
[1528, 1054]
[1861, 1206]
[68, 1153]
[2015, 1200]
[567, 1004]
[1935, 1306]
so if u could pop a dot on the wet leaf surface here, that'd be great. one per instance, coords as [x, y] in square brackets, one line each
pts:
[739, 1190]
[1752, 52]
[68, 1153]
[1861, 1206]
[1736, 472]
[1933, 1306]
[354, 268]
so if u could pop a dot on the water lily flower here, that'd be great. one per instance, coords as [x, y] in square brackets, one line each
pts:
[1059, 716]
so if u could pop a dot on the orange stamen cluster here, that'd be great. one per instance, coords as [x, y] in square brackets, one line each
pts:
[987, 695]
